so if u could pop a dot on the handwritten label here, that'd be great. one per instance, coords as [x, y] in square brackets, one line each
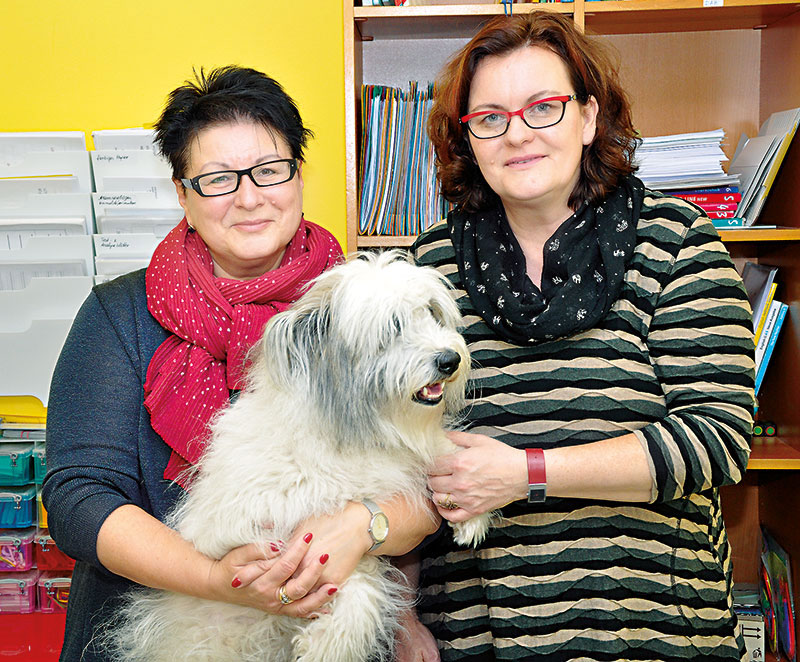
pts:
[713, 3]
[112, 157]
[115, 200]
[111, 242]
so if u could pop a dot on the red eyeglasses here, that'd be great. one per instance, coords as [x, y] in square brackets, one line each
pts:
[537, 115]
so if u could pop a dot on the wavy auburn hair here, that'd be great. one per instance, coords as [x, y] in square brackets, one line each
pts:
[592, 72]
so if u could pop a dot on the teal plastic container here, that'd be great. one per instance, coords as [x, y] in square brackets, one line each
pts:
[16, 464]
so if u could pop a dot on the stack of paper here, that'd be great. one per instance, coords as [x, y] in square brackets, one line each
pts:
[399, 191]
[135, 203]
[683, 161]
[758, 159]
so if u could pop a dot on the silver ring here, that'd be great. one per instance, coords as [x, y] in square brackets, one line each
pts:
[285, 599]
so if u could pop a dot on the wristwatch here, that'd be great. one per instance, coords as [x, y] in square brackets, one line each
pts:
[378, 524]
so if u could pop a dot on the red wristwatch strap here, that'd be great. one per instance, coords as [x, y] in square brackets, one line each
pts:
[537, 476]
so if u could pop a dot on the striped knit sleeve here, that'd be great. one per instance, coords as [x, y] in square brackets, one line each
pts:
[700, 342]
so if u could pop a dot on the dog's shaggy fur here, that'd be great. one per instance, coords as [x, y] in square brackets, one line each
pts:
[347, 395]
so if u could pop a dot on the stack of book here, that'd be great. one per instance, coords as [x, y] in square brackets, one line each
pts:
[768, 313]
[399, 191]
[757, 161]
[747, 607]
[718, 203]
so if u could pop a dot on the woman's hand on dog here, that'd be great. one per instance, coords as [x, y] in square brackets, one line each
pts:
[414, 642]
[344, 537]
[483, 475]
[253, 575]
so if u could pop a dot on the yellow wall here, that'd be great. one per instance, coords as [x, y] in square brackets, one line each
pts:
[108, 64]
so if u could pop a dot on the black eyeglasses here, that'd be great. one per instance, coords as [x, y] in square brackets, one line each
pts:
[223, 182]
[537, 115]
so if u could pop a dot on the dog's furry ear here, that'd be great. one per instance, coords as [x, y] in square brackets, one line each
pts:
[290, 338]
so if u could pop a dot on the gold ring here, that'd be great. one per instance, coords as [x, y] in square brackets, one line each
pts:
[285, 599]
[448, 503]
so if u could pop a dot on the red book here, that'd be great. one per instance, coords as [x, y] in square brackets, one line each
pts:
[703, 198]
[713, 206]
[721, 214]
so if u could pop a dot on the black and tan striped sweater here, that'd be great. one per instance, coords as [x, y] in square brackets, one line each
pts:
[573, 579]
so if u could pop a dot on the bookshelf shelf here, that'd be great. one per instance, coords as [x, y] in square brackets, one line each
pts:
[647, 16]
[385, 241]
[773, 453]
[728, 236]
[430, 21]
[776, 234]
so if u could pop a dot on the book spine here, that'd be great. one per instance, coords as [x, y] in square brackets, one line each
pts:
[710, 198]
[764, 330]
[717, 206]
[770, 347]
[734, 222]
[707, 191]
[721, 214]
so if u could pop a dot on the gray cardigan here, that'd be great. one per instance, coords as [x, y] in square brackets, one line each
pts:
[102, 452]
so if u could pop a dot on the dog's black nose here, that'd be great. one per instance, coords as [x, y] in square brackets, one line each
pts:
[447, 362]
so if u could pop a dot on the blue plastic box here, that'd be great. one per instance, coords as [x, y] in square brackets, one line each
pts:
[16, 464]
[17, 507]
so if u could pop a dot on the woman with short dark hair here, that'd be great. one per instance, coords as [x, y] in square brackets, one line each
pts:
[155, 354]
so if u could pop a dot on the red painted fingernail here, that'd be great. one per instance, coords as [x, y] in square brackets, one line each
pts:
[307, 537]
[236, 583]
[324, 559]
[274, 547]
[331, 591]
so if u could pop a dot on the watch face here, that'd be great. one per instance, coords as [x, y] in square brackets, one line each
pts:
[380, 527]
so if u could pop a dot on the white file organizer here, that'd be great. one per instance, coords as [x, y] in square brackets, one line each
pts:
[117, 254]
[136, 212]
[13, 144]
[34, 324]
[124, 139]
[51, 164]
[24, 203]
[46, 257]
[130, 170]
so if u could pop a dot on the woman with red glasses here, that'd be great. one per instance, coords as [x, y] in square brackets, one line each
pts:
[612, 378]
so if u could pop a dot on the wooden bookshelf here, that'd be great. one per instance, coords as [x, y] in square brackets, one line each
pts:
[687, 67]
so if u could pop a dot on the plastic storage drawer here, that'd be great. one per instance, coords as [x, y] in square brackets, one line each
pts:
[54, 592]
[47, 554]
[16, 465]
[17, 507]
[39, 463]
[18, 592]
[16, 549]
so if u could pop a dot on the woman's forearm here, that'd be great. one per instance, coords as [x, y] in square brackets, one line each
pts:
[135, 545]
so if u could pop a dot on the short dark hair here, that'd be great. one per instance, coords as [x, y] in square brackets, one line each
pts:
[224, 95]
[592, 73]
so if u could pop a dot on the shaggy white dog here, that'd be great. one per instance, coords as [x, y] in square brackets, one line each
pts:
[358, 377]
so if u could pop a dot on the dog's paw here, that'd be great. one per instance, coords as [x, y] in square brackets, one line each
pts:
[473, 531]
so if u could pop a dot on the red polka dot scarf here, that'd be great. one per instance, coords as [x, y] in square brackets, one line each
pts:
[214, 322]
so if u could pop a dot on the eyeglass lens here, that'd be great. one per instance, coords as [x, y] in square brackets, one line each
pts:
[538, 115]
[263, 174]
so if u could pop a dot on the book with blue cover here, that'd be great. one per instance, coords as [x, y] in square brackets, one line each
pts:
[773, 338]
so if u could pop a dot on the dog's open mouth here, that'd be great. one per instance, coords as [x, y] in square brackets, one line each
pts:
[431, 394]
